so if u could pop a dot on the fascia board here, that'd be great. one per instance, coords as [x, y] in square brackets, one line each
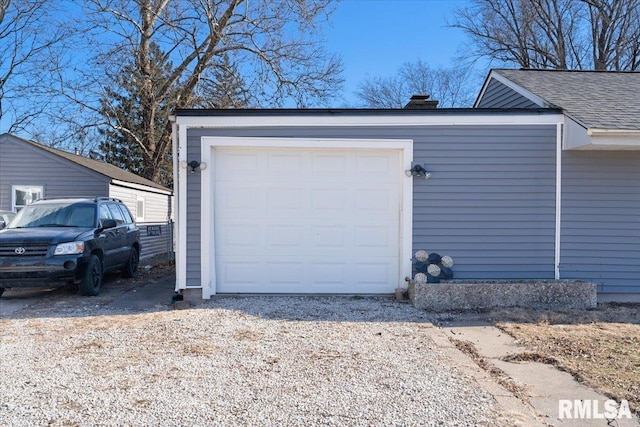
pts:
[369, 120]
[614, 133]
[140, 187]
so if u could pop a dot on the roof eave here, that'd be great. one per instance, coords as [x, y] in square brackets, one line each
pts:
[613, 133]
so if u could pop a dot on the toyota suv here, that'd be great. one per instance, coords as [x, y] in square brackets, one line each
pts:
[57, 242]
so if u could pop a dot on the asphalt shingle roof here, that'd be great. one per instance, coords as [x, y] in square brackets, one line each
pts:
[102, 168]
[595, 99]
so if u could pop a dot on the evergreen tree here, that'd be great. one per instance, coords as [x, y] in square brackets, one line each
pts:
[123, 107]
[224, 89]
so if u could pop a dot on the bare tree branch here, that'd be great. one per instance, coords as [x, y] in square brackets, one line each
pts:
[449, 86]
[29, 39]
[559, 34]
[172, 47]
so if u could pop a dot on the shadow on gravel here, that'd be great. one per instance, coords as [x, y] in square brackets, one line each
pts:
[320, 308]
[151, 290]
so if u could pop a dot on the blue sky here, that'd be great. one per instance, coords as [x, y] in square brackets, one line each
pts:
[375, 37]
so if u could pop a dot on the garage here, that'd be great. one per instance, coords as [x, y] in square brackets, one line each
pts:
[299, 216]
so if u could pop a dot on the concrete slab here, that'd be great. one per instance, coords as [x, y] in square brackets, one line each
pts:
[545, 386]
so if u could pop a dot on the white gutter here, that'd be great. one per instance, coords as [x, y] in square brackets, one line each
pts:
[616, 133]
[176, 210]
[558, 199]
[377, 120]
[181, 249]
[140, 187]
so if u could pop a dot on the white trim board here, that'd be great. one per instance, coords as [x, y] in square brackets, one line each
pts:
[208, 145]
[371, 120]
[140, 187]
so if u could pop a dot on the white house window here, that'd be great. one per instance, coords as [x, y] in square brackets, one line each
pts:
[22, 195]
[140, 206]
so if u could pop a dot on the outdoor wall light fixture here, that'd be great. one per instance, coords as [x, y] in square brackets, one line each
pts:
[193, 165]
[418, 172]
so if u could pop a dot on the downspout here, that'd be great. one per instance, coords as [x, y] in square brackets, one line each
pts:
[559, 129]
[176, 194]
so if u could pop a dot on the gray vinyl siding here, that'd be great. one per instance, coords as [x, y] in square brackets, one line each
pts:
[21, 164]
[490, 203]
[601, 219]
[194, 198]
[498, 95]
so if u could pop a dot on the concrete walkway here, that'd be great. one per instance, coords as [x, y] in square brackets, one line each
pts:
[541, 386]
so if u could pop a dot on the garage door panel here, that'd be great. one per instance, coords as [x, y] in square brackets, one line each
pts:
[329, 199]
[370, 272]
[373, 200]
[334, 236]
[241, 236]
[285, 237]
[283, 272]
[372, 237]
[282, 163]
[241, 198]
[306, 220]
[329, 273]
[238, 163]
[374, 164]
[289, 199]
[272, 275]
[242, 271]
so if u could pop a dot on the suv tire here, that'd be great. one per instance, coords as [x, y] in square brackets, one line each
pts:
[130, 269]
[91, 282]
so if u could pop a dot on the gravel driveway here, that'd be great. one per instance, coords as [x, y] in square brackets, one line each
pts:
[281, 361]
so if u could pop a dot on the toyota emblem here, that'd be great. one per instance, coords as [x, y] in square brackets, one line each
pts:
[20, 250]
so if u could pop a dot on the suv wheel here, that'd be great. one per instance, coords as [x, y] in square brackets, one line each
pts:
[131, 267]
[91, 282]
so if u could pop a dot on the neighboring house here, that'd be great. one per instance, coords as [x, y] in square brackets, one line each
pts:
[29, 171]
[317, 201]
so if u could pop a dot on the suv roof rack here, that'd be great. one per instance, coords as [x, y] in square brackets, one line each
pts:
[94, 198]
[110, 199]
[64, 198]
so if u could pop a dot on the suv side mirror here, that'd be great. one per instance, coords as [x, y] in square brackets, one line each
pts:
[109, 223]
[2, 224]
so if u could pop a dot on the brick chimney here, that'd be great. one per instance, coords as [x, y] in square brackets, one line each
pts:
[421, 102]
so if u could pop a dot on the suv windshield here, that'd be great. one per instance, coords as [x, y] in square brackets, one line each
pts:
[55, 215]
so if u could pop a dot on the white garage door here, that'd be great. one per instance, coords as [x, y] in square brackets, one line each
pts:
[306, 220]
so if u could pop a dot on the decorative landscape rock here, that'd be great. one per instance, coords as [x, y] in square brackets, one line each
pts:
[433, 266]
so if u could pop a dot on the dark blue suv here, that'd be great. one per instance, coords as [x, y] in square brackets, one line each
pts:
[68, 241]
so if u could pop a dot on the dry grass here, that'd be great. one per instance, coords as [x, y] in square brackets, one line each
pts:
[499, 375]
[599, 347]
